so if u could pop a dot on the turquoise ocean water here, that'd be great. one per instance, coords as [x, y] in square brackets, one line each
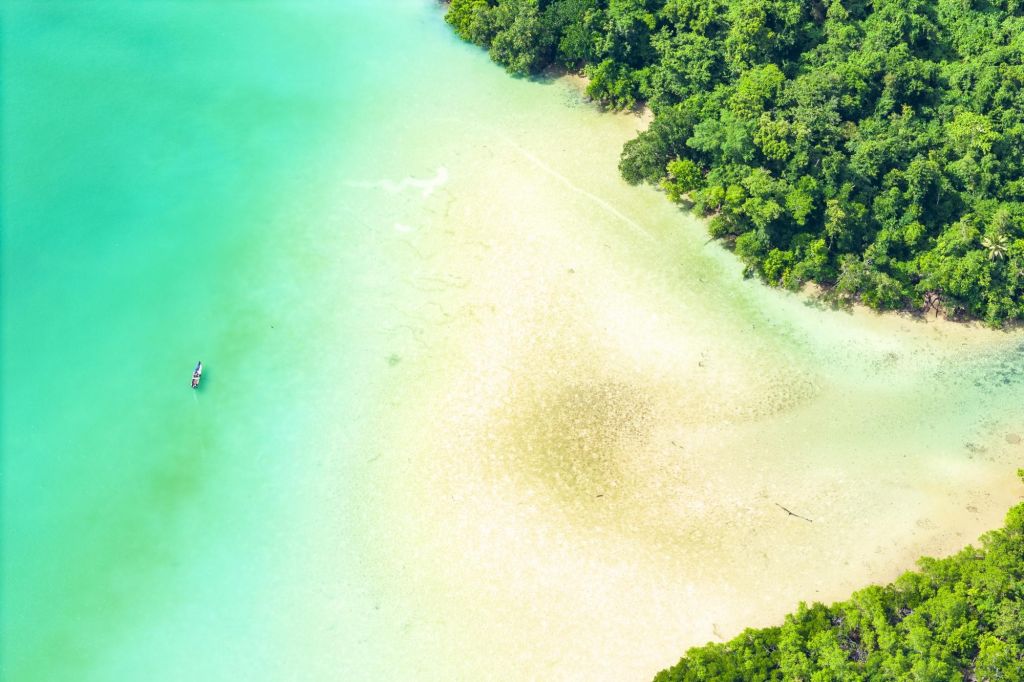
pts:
[344, 212]
[165, 172]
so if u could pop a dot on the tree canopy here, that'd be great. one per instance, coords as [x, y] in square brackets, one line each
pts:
[873, 147]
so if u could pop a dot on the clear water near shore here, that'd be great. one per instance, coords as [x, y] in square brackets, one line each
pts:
[472, 405]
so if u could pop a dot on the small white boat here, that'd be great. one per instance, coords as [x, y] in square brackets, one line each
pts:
[197, 375]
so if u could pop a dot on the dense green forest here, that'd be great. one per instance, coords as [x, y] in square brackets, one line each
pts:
[957, 619]
[875, 147]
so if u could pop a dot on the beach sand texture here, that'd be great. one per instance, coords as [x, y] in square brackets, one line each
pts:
[611, 426]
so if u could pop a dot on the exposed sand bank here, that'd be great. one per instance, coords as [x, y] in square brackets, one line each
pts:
[596, 423]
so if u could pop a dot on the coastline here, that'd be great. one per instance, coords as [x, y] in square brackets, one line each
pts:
[475, 407]
[579, 82]
[814, 292]
[720, 398]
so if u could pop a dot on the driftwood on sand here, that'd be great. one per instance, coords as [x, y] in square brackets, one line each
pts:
[793, 514]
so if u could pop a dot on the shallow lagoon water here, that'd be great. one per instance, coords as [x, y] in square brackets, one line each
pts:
[474, 409]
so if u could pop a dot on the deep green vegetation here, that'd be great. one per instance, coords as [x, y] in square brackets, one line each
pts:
[873, 147]
[960, 618]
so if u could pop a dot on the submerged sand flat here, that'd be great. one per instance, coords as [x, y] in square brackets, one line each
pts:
[600, 446]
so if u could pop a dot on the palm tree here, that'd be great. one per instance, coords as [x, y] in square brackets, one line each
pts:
[996, 245]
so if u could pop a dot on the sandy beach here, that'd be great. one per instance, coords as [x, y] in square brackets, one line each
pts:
[611, 448]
